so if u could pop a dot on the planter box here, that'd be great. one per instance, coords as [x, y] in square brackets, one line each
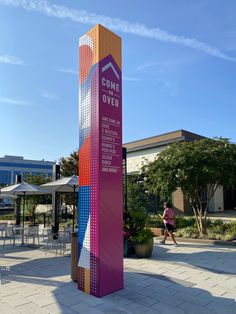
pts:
[157, 231]
[144, 250]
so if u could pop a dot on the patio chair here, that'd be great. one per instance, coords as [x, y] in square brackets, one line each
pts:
[2, 229]
[51, 240]
[64, 239]
[59, 240]
[18, 232]
[9, 235]
[31, 232]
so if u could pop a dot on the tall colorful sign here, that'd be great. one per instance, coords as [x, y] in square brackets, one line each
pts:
[100, 210]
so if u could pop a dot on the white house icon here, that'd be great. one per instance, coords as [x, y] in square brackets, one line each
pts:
[110, 65]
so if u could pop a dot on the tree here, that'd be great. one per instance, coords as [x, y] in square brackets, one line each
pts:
[137, 203]
[198, 168]
[69, 165]
[34, 200]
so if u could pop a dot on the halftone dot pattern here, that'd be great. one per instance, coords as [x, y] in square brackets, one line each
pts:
[85, 70]
[80, 278]
[84, 202]
[89, 210]
[84, 168]
[94, 253]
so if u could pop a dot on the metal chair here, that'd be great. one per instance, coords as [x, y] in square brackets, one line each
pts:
[52, 239]
[9, 235]
[2, 229]
[18, 232]
[64, 239]
[59, 240]
[31, 232]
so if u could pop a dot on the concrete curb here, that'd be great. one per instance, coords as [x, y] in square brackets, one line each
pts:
[203, 241]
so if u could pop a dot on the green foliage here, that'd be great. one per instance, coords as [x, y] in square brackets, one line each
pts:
[137, 203]
[33, 200]
[188, 232]
[154, 222]
[136, 218]
[198, 168]
[232, 227]
[139, 217]
[217, 230]
[229, 236]
[182, 222]
[69, 165]
[10, 216]
[142, 236]
[136, 195]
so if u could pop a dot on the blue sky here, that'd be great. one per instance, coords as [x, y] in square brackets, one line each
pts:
[179, 69]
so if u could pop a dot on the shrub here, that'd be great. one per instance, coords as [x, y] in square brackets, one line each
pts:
[229, 236]
[154, 222]
[7, 217]
[179, 232]
[143, 236]
[188, 232]
[218, 229]
[217, 222]
[182, 222]
[232, 227]
[211, 235]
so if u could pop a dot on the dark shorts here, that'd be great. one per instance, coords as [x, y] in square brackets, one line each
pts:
[169, 227]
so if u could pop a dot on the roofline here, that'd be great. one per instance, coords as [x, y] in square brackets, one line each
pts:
[182, 136]
[147, 138]
[157, 144]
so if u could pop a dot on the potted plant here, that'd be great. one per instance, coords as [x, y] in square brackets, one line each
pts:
[143, 240]
[127, 235]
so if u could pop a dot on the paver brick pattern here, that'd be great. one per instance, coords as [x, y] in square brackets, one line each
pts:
[191, 278]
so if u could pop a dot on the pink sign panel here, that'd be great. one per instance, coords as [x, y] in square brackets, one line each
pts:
[100, 206]
[110, 157]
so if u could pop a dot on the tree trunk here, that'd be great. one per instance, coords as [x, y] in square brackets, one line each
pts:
[200, 221]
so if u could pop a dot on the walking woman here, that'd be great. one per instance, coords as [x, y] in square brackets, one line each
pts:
[168, 218]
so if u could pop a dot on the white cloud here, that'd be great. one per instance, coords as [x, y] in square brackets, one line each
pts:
[16, 102]
[49, 95]
[132, 79]
[85, 17]
[147, 65]
[8, 59]
[66, 70]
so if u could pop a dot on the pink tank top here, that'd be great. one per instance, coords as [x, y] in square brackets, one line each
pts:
[169, 213]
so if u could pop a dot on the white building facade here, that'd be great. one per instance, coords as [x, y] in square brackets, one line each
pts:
[146, 150]
[10, 166]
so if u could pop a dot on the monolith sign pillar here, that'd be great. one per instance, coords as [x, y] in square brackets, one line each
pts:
[100, 210]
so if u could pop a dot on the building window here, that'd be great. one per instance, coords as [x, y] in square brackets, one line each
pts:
[5, 177]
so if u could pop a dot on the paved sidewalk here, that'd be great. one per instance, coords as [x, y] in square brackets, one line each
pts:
[191, 278]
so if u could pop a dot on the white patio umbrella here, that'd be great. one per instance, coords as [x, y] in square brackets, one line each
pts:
[22, 189]
[69, 184]
[8, 196]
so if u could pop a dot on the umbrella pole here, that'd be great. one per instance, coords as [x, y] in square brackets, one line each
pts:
[73, 226]
[24, 210]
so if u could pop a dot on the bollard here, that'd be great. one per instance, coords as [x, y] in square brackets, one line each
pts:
[74, 255]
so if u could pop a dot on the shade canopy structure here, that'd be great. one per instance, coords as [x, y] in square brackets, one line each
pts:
[65, 185]
[7, 196]
[22, 189]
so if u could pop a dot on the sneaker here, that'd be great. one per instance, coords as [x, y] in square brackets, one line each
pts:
[162, 242]
[175, 245]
